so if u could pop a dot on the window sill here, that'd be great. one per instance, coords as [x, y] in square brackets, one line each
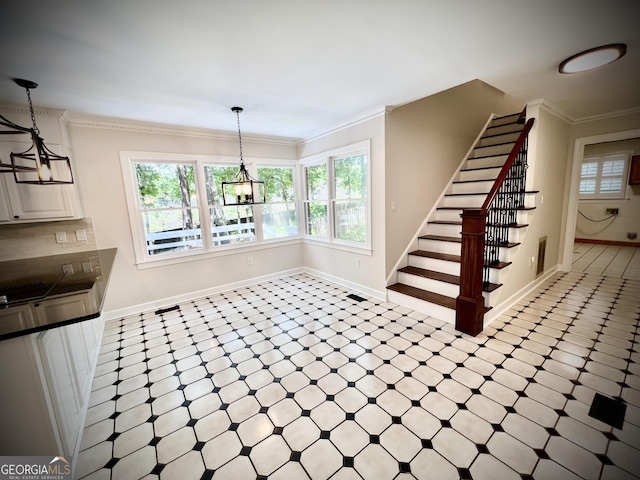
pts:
[338, 246]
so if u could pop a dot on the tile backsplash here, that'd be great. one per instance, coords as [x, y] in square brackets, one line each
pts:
[29, 240]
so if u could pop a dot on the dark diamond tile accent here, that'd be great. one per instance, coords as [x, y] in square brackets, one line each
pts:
[313, 382]
[610, 436]
[224, 406]
[245, 451]
[261, 477]
[113, 436]
[608, 410]
[148, 385]
[461, 406]
[510, 409]
[396, 420]
[351, 416]
[263, 409]
[182, 387]
[252, 392]
[447, 376]
[186, 403]
[116, 397]
[445, 423]
[375, 439]
[482, 448]
[111, 463]
[521, 393]
[464, 474]
[347, 462]
[289, 395]
[541, 453]
[299, 369]
[306, 413]
[604, 459]
[391, 386]
[199, 446]
[552, 431]
[387, 362]
[278, 430]
[114, 415]
[351, 384]
[150, 400]
[234, 426]
[330, 398]
[432, 388]
[325, 434]
[295, 456]
[152, 418]
[155, 441]
[525, 476]
[497, 427]
[404, 467]
[192, 422]
[215, 389]
[333, 370]
[415, 403]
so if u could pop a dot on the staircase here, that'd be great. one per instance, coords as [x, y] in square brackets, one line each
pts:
[430, 283]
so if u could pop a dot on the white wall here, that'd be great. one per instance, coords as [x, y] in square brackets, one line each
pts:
[628, 220]
[426, 141]
[96, 151]
[547, 158]
[331, 261]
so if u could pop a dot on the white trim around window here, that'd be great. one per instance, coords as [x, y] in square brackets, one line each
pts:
[199, 242]
[328, 235]
[604, 177]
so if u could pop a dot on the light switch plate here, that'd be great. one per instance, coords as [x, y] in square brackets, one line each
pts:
[61, 237]
[81, 235]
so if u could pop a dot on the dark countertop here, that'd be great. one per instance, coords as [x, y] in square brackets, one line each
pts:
[36, 284]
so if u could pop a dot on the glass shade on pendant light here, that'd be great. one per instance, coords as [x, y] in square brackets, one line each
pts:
[244, 189]
[38, 164]
[593, 58]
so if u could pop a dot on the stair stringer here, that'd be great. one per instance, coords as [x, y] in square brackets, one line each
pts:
[422, 229]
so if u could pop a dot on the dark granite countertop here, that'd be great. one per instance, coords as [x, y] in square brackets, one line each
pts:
[34, 284]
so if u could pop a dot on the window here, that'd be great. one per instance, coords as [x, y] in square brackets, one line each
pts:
[176, 208]
[604, 176]
[336, 201]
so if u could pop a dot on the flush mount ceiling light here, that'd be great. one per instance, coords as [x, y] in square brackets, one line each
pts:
[37, 165]
[244, 190]
[593, 58]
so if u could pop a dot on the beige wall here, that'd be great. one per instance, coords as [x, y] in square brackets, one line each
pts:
[628, 220]
[99, 176]
[334, 262]
[425, 143]
[548, 147]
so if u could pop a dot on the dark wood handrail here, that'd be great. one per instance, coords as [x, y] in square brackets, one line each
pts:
[507, 165]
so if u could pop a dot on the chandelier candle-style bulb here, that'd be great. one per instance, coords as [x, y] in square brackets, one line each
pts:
[244, 189]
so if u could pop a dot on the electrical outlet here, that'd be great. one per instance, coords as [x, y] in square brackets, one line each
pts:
[611, 211]
[357, 263]
[61, 237]
[81, 235]
[249, 260]
[87, 267]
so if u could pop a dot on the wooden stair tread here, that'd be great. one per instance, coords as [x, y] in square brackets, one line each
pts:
[462, 208]
[454, 222]
[441, 238]
[447, 257]
[425, 295]
[443, 277]
[527, 192]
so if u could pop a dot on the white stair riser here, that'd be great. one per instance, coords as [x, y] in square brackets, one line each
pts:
[429, 284]
[454, 216]
[444, 230]
[438, 246]
[495, 161]
[472, 187]
[443, 266]
[483, 174]
[505, 120]
[509, 128]
[465, 201]
[497, 139]
[436, 311]
[493, 150]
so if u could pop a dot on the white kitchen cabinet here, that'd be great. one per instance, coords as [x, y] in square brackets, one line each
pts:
[46, 383]
[58, 308]
[30, 203]
[16, 319]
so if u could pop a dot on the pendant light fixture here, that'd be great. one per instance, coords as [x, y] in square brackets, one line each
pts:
[38, 164]
[244, 189]
[593, 58]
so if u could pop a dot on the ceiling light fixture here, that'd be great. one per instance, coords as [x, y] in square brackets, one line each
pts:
[593, 58]
[36, 165]
[244, 190]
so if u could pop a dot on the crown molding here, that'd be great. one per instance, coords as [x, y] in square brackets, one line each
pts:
[110, 124]
[24, 110]
[343, 126]
[604, 116]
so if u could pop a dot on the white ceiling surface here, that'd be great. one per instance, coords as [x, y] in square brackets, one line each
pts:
[301, 67]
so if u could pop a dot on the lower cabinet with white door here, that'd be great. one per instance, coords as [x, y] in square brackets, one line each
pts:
[46, 383]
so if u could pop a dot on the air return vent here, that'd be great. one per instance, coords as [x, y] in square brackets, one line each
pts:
[542, 248]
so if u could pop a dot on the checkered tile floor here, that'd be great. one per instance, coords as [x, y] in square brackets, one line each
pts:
[291, 379]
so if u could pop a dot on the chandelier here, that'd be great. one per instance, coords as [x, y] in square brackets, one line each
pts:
[38, 164]
[244, 189]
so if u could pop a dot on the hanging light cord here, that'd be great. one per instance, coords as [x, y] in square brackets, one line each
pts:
[33, 115]
[596, 221]
[240, 136]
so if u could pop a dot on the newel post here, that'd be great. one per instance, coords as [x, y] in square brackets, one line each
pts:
[470, 303]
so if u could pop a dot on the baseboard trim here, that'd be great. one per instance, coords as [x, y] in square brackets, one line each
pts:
[346, 283]
[502, 307]
[615, 243]
[185, 297]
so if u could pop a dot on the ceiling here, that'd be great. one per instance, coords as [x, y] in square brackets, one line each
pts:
[302, 67]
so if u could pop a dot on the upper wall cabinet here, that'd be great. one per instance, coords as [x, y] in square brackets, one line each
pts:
[33, 203]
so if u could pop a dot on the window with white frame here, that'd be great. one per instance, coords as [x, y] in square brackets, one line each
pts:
[604, 177]
[336, 205]
[176, 206]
